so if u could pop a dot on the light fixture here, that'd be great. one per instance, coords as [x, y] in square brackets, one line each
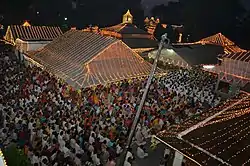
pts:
[208, 66]
[65, 18]
[170, 51]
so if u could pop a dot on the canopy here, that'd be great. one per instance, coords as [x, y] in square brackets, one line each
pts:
[234, 68]
[187, 55]
[85, 59]
[169, 56]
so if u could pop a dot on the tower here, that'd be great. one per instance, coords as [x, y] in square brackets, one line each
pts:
[26, 24]
[127, 18]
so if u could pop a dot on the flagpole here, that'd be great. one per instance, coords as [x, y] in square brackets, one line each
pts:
[137, 116]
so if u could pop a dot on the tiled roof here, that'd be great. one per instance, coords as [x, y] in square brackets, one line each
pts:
[126, 28]
[131, 35]
[198, 54]
[240, 56]
[226, 136]
[140, 43]
[220, 39]
[34, 33]
[85, 59]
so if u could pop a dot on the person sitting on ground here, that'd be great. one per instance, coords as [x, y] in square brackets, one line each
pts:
[141, 152]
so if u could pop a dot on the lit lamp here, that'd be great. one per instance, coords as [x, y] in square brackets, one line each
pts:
[2, 160]
[208, 66]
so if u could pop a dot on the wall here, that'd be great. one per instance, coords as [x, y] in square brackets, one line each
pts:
[24, 46]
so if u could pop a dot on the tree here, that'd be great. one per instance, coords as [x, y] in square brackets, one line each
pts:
[160, 30]
[15, 157]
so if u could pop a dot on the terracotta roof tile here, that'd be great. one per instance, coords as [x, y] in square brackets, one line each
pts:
[220, 39]
[85, 59]
[35, 32]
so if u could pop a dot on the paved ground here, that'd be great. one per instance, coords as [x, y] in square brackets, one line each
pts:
[154, 157]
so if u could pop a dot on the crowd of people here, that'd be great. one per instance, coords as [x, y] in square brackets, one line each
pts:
[54, 127]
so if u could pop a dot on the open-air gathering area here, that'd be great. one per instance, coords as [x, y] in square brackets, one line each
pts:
[159, 91]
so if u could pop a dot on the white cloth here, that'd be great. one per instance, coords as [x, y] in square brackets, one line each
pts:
[129, 155]
[166, 152]
[139, 138]
[126, 163]
[178, 158]
[140, 153]
[95, 159]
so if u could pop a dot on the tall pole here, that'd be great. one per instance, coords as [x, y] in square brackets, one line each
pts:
[137, 116]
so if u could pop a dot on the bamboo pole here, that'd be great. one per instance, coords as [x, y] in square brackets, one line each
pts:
[137, 116]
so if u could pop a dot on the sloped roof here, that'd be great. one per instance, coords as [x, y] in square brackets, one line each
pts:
[126, 28]
[246, 88]
[237, 71]
[85, 59]
[224, 136]
[239, 56]
[169, 56]
[140, 43]
[133, 36]
[220, 39]
[198, 54]
[32, 33]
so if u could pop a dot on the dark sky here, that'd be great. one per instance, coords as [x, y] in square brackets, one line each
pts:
[149, 4]
[246, 4]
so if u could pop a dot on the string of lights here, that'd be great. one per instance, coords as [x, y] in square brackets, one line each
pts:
[225, 141]
[177, 128]
[229, 113]
[241, 113]
[238, 152]
[215, 132]
[219, 136]
[235, 142]
[223, 150]
[2, 160]
[245, 163]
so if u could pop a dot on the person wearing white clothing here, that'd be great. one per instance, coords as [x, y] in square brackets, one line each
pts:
[141, 153]
[95, 159]
[166, 152]
[139, 137]
[92, 139]
[128, 162]
[129, 154]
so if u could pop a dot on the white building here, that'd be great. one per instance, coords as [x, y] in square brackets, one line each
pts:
[29, 38]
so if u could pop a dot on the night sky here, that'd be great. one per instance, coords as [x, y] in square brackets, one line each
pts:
[200, 18]
[149, 4]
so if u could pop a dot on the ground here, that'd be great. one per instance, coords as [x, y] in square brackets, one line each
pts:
[154, 156]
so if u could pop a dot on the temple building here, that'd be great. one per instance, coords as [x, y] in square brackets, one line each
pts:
[220, 40]
[136, 38]
[30, 38]
[150, 24]
[85, 59]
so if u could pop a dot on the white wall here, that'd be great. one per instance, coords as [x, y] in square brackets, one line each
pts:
[24, 46]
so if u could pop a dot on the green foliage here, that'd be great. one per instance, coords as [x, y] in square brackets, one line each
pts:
[15, 157]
